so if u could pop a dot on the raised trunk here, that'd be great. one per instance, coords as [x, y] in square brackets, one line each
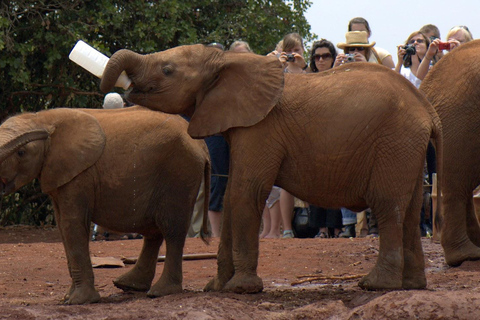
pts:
[120, 61]
[10, 146]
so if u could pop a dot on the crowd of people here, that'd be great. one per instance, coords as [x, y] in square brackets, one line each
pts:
[420, 51]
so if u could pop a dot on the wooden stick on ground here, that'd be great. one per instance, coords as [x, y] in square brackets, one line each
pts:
[193, 256]
[310, 278]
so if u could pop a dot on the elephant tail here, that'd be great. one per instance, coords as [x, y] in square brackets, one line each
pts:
[437, 140]
[204, 234]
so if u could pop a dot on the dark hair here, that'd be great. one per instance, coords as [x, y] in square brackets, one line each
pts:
[323, 43]
[360, 20]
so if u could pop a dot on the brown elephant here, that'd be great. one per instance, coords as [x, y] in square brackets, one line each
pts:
[355, 136]
[452, 86]
[129, 170]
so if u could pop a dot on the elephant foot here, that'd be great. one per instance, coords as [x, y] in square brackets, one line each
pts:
[82, 296]
[413, 281]
[161, 289]
[377, 280]
[131, 281]
[466, 251]
[244, 283]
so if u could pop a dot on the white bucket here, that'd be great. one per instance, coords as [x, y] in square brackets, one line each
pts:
[94, 62]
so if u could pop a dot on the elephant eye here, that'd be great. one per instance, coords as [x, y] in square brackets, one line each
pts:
[168, 70]
[21, 152]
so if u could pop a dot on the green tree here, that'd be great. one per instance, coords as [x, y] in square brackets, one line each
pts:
[36, 38]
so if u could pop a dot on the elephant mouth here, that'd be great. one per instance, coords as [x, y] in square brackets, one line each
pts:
[6, 187]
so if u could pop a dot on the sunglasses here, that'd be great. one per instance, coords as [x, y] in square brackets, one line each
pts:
[352, 49]
[323, 56]
[416, 40]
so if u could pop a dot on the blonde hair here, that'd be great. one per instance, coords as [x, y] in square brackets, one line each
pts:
[240, 43]
[291, 40]
[464, 30]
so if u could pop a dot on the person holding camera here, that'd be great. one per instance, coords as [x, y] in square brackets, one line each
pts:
[415, 55]
[378, 55]
[356, 48]
[291, 54]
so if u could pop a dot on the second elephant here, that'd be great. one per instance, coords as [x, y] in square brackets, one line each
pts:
[129, 170]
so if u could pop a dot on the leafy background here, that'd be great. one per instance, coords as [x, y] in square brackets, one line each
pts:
[37, 37]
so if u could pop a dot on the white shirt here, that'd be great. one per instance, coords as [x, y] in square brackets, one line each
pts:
[407, 73]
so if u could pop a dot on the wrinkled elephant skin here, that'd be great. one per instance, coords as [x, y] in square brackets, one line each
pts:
[453, 88]
[128, 170]
[355, 136]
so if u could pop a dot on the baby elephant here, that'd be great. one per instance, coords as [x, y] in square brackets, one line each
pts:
[129, 170]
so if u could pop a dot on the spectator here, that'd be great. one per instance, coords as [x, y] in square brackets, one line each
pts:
[414, 57]
[356, 48]
[322, 56]
[240, 46]
[292, 46]
[432, 32]
[461, 34]
[220, 158]
[378, 55]
[271, 215]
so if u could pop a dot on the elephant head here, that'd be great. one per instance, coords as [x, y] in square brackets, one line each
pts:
[219, 90]
[48, 146]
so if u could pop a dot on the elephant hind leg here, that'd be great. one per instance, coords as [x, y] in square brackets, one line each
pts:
[170, 281]
[456, 243]
[414, 262]
[473, 227]
[141, 276]
[387, 272]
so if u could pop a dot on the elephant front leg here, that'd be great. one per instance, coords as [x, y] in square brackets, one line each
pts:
[141, 276]
[75, 238]
[387, 273]
[246, 218]
[224, 255]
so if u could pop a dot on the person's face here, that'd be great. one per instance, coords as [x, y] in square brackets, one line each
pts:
[459, 36]
[420, 44]
[297, 49]
[323, 59]
[359, 27]
[361, 50]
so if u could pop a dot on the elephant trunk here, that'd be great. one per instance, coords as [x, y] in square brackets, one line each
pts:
[7, 147]
[120, 61]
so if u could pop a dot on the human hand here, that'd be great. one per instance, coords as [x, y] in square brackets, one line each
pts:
[401, 52]
[453, 44]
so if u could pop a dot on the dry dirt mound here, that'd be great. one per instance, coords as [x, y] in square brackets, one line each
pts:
[34, 278]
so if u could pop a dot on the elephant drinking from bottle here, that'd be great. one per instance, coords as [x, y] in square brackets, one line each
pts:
[355, 136]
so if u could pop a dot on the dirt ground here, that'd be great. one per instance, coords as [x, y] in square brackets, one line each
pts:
[34, 278]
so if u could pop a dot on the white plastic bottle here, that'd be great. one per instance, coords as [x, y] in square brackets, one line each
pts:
[94, 62]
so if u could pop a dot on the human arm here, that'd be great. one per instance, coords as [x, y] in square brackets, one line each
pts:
[400, 55]
[425, 64]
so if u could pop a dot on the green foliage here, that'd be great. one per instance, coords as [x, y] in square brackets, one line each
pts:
[36, 38]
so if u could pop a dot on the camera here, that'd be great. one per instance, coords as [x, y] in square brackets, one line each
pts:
[443, 46]
[350, 57]
[290, 57]
[410, 49]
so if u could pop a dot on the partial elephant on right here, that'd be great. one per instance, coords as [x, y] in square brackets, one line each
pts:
[453, 88]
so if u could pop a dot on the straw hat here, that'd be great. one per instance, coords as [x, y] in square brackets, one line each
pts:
[356, 39]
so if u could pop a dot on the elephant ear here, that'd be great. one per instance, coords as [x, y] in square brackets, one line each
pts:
[76, 142]
[247, 88]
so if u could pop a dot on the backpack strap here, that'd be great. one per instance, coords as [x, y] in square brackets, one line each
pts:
[376, 55]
